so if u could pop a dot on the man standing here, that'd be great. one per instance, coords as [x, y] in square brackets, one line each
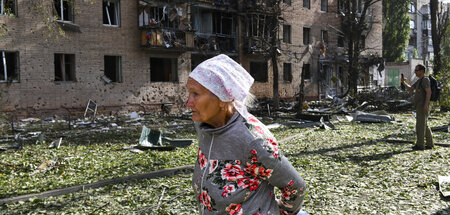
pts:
[422, 97]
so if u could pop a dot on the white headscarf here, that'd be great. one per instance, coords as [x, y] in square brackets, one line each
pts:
[226, 79]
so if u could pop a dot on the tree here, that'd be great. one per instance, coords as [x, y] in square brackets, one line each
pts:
[439, 24]
[268, 39]
[396, 29]
[357, 23]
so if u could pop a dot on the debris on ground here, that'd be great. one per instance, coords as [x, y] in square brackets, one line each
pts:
[375, 117]
[444, 185]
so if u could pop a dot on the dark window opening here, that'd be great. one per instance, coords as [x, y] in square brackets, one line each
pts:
[325, 37]
[324, 5]
[65, 67]
[306, 4]
[306, 39]
[287, 33]
[163, 70]
[113, 68]
[111, 12]
[64, 10]
[306, 71]
[340, 41]
[166, 16]
[413, 40]
[258, 70]
[9, 66]
[287, 72]
[8, 7]
[223, 23]
[287, 2]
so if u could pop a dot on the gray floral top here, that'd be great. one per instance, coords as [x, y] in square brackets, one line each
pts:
[237, 168]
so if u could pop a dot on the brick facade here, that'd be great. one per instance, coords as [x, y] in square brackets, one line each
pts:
[36, 89]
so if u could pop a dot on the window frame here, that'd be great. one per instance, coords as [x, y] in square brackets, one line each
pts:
[307, 39]
[173, 76]
[70, 11]
[117, 67]
[116, 10]
[308, 6]
[341, 41]
[287, 2]
[324, 37]
[255, 72]
[13, 11]
[64, 65]
[15, 76]
[307, 69]
[287, 38]
[287, 72]
[324, 5]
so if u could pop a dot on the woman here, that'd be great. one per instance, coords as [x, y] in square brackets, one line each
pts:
[238, 162]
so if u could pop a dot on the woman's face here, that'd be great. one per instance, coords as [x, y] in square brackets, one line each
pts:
[205, 106]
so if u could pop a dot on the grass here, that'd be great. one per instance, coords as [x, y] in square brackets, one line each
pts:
[350, 170]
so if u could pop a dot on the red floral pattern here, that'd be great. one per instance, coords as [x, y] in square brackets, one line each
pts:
[201, 159]
[232, 172]
[234, 209]
[205, 199]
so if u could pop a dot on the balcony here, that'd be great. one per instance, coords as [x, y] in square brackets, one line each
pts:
[215, 30]
[162, 26]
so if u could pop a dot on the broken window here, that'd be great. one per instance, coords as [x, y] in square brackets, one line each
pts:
[113, 68]
[258, 70]
[306, 71]
[287, 72]
[111, 12]
[306, 39]
[159, 16]
[9, 66]
[324, 37]
[324, 5]
[306, 3]
[340, 42]
[163, 70]
[256, 26]
[64, 10]
[8, 7]
[65, 67]
[287, 33]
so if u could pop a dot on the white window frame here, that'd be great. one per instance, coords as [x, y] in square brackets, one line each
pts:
[2, 8]
[116, 11]
[61, 8]
[5, 66]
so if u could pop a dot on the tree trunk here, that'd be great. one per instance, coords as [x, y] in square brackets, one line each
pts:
[435, 36]
[273, 55]
[301, 96]
[276, 94]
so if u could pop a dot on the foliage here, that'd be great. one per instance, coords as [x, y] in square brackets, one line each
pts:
[396, 30]
[376, 177]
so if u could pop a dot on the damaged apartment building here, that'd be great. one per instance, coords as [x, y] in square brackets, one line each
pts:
[137, 55]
